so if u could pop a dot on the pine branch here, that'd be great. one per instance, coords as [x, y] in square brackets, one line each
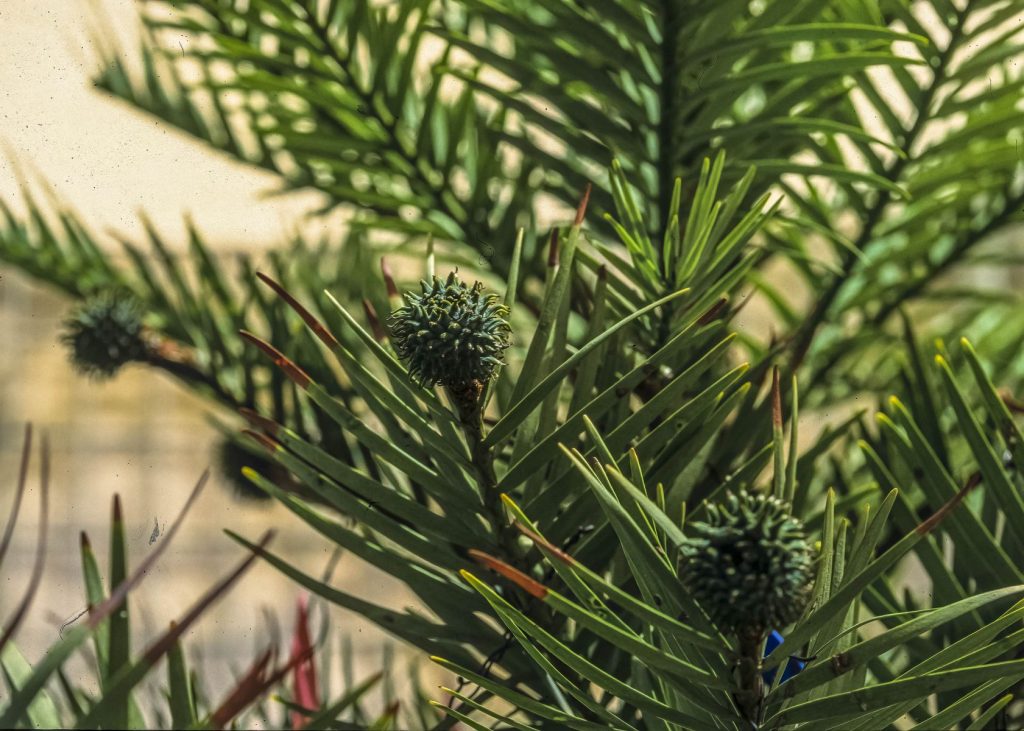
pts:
[819, 314]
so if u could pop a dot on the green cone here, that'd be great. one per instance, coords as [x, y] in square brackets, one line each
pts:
[104, 333]
[451, 334]
[749, 565]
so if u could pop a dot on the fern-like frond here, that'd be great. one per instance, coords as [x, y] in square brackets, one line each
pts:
[957, 130]
[333, 96]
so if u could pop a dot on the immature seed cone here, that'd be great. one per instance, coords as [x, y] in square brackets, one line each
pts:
[451, 334]
[749, 564]
[104, 333]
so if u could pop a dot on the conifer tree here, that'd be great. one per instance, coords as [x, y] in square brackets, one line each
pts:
[564, 442]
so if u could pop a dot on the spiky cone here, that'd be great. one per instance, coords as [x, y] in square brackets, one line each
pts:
[749, 563]
[749, 566]
[451, 334]
[105, 333]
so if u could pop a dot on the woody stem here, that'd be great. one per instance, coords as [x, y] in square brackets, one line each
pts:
[749, 696]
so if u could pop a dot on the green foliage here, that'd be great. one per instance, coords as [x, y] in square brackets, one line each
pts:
[525, 79]
[461, 120]
[595, 463]
[626, 642]
[319, 114]
[958, 142]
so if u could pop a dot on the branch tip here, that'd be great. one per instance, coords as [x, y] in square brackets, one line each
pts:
[517, 577]
[582, 210]
[553, 249]
[389, 280]
[296, 374]
[264, 441]
[314, 324]
[259, 421]
[375, 325]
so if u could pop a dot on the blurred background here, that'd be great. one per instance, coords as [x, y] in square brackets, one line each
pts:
[141, 435]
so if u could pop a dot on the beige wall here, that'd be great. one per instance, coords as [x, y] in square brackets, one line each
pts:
[110, 161]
